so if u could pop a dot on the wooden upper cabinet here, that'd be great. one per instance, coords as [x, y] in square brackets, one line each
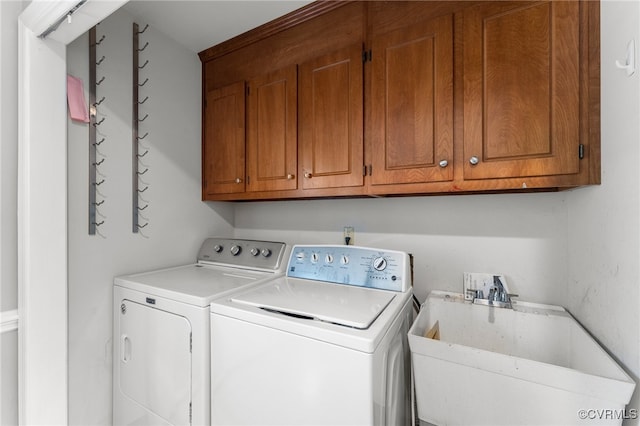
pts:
[272, 131]
[331, 120]
[411, 126]
[521, 89]
[224, 140]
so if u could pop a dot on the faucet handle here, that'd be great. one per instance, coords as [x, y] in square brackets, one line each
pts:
[474, 293]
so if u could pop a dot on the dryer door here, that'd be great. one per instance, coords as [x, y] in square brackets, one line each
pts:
[155, 360]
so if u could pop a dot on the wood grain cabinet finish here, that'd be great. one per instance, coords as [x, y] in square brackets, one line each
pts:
[521, 89]
[272, 131]
[412, 104]
[384, 98]
[223, 147]
[331, 120]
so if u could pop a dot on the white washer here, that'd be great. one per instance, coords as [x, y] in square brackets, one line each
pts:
[161, 368]
[324, 345]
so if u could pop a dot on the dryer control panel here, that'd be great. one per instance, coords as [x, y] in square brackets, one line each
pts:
[351, 265]
[252, 254]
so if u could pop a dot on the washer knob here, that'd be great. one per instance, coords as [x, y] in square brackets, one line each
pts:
[379, 263]
[235, 250]
[266, 252]
[217, 248]
[255, 251]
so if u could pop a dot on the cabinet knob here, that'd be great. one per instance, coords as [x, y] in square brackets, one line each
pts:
[290, 176]
[238, 180]
[308, 175]
[474, 160]
[443, 163]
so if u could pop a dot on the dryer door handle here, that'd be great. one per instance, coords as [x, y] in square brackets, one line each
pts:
[125, 346]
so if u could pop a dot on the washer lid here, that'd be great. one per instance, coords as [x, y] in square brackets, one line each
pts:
[334, 303]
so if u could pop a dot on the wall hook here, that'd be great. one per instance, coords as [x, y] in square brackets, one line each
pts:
[143, 118]
[97, 43]
[143, 65]
[144, 82]
[100, 60]
[630, 62]
[144, 29]
[143, 101]
[143, 47]
[99, 102]
[142, 137]
[99, 122]
[100, 81]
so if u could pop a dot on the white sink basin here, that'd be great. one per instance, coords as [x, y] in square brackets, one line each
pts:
[533, 365]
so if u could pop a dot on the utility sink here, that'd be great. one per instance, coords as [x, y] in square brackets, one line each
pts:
[530, 365]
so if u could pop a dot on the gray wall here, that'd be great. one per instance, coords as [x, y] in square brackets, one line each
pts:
[9, 11]
[177, 220]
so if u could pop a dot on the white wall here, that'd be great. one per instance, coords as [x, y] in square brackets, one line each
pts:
[520, 235]
[178, 220]
[604, 221]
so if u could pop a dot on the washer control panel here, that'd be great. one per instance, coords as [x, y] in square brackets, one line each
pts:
[269, 255]
[351, 265]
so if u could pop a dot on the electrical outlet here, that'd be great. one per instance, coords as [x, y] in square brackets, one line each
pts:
[349, 235]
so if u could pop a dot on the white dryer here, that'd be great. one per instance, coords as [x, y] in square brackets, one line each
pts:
[161, 368]
[324, 345]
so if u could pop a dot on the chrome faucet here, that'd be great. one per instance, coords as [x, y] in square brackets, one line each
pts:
[498, 293]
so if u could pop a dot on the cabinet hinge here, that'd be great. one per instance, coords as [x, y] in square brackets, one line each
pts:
[190, 412]
[248, 179]
[190, 342]
[364, 170]
[581, 151]
[248, 90]
[366, 55]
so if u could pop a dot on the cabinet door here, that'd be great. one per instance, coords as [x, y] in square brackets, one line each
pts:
[521, 89]
[223, 155]
[412, 104]
[272, 131]
[331, 121]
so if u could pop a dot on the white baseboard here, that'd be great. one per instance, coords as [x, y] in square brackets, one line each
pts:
[8, 321]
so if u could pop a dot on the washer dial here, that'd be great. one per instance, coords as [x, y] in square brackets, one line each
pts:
[379, 263]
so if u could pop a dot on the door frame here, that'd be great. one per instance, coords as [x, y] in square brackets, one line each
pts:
[42, 204]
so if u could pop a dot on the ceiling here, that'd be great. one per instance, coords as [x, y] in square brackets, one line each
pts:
[201, 24]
